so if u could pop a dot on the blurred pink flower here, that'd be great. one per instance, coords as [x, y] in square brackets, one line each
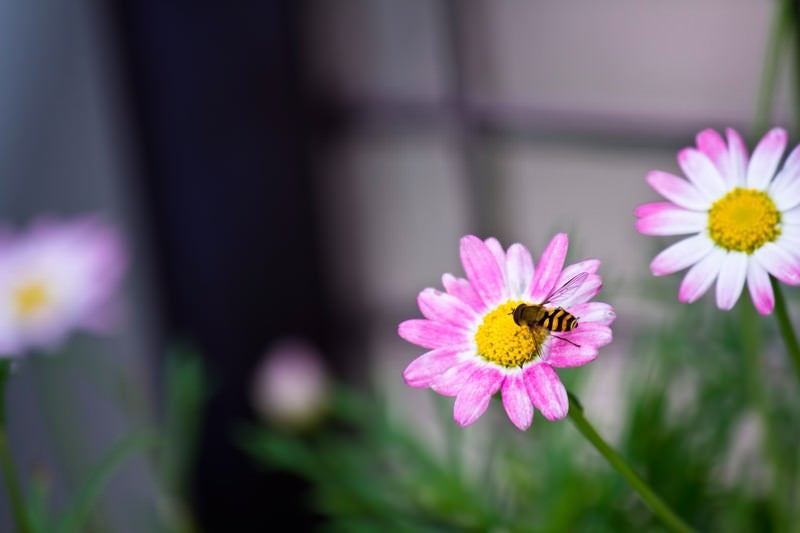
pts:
[743, 218]
[57, 277]
[478, 349]
[291, 385]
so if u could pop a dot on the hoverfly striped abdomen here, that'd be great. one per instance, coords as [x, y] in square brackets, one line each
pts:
[557, 320]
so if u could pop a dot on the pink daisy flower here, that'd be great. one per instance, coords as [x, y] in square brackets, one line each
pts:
[56, 277]
[743, 218]
[477, 346]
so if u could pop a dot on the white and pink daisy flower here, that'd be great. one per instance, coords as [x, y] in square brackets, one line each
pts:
[477, 348]
[56, 277]
[743, 218]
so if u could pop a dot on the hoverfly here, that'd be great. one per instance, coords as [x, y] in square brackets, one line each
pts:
[555, 319]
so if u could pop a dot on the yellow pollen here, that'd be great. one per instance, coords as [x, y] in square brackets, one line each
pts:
[500, 340]
[744, 220]
[30, 298]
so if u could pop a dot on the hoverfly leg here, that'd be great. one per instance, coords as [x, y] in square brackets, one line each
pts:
[567, 340]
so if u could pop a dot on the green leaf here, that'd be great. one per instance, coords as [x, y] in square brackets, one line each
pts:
[92, 487]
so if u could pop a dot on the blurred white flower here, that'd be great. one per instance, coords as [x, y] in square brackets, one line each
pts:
[291, 386]
[56, 277]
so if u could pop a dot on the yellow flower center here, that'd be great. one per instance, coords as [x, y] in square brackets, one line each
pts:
[30, 298]
[744, 220]
[500, 340]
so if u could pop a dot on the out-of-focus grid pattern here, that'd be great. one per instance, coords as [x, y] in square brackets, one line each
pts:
[516, 119]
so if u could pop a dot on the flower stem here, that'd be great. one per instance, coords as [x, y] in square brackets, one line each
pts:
[769, 74]
[751, 346]
[656, 504]
[785, 326]
[7, 464]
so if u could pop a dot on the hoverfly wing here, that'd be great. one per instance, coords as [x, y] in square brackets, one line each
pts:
[567, 289]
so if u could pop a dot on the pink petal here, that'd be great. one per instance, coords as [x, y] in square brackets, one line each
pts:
[785, 188]
[675, 221]
[702, 172]
[565, 355]
[519, 271]
[546, 391]
[589, 334]
[738, 158]
[442, 307]
[760, 288]
[779, 262]
[516, 401]
[731, 279]
[652, 208]
[430, 334]
[766, 157]
[423, 370]
[594, 312]
[678, 190]
[570, 271]
[497, 251]
[461, 289]
[710, 143]
[474, 397]
[482, 270]
[453, 380]
[588, 290]
[700, 276]
[681, 255]
[549, 268]
[589, 266]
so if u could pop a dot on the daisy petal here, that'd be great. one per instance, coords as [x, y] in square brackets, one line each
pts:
[785, 188]
[430, 334]
[519, 271]
[701, 172]
[422, 371]
[677, 190]
[565, 355]
[474, 397]
[675, 221]
[549, 268]
[570, 271]
[516, 401]
[453, 380]
[594, 312]
[731, 279]
[766, 157]
[681, 255]
[700, 276]
[482, 270]
[738, 158]
[442, 307]
[760, 288]
[461, 289]
[792, 216]
[710, 143]
[589, 334]
[497, 251]
[546, 391]
[652, 208]
[779, 262]
[588, 290]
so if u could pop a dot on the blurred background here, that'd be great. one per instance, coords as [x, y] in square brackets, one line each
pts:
[288, 170]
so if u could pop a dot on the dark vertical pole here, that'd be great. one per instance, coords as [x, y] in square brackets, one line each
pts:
[216, 90]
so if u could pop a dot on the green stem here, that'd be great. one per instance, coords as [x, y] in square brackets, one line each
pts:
[6, 462]
[656, 504]
[751, 346]
[769, 76]
[785, 327]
